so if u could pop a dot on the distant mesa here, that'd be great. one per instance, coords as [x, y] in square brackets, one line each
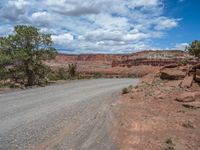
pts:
[147, 57]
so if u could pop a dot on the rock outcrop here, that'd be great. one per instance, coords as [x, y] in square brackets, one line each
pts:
[193, 105]
[187, 81]
[188, 75]
[188, 97]
[172, 73]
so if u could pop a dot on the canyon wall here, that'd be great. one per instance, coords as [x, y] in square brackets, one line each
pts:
[154, 58]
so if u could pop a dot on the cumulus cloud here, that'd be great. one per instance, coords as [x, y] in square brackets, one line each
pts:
[73, 8]
[92, 26]
[181, 46]
[14, 10]
[41, 18]
[62, 39]
[165, 23]
[19, 4]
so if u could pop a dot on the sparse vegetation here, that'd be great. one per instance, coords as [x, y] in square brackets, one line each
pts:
[169, 141]
[170, 145]
[127, 90]
[184, 61]
[124, 90]
[188, 124]
[170, 148]
[97, 75]
[59, 74]
[72, 70]
[62, 74]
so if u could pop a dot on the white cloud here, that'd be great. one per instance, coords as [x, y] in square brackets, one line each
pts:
[165, 23]
[19, 4]
[62, 39]
[42, 18]
[135, 36]
[145, 3]
[181, 46]
[92, 25]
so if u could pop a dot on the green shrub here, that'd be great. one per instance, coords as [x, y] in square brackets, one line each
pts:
[125, 90]
[59, 74]
[97, 75]
[169, 141]
[72, 70]
[62, 74]
[188, 124]
[170, 148]
[170, 145]
[184, 61]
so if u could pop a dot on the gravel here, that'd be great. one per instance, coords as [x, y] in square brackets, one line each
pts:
[68, 116]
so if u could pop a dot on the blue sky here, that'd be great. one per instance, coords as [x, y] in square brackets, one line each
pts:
[107, 26]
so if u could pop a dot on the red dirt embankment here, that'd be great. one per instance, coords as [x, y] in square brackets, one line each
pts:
[160, 113]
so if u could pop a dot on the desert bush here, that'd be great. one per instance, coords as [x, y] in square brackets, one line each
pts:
[184, 61]
[53, 76]
[188, 124]
[79, 77]
[125, 90]
[170, 148]
[72, 70]
[97, 75]
[170, 145]
[62, 74]
[58, 74]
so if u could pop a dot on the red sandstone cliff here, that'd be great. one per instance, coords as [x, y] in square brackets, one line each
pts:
[89, 57]
[150, 57]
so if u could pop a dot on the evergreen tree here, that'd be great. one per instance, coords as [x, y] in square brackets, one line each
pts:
[24, 54]
[194, 49]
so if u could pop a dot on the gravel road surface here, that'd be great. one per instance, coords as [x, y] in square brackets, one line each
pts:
[71, 116]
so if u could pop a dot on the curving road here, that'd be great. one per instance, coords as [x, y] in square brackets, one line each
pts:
[71, 116]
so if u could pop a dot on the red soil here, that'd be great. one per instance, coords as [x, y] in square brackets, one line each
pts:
[151, 118]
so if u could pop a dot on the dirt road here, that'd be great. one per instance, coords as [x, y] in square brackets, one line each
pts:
[70, 116]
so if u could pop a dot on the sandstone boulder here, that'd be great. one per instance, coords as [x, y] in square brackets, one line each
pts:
[193, 105]
[148, 79]
[188, 97]
[187, 81]
[196, 70]
[197, 78]
[172, 73]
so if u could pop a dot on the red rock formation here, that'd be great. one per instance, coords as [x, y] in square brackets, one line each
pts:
[88, 57]
[154, 58]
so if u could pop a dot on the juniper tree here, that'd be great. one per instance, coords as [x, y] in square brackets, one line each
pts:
[25, 52]
[194, 49]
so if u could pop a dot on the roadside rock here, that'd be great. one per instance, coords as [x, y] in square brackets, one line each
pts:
[148, 79]
[197, 79]
[188, 97]
[196, 70]
[172, 74]
[187, 81]
[193, 105]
